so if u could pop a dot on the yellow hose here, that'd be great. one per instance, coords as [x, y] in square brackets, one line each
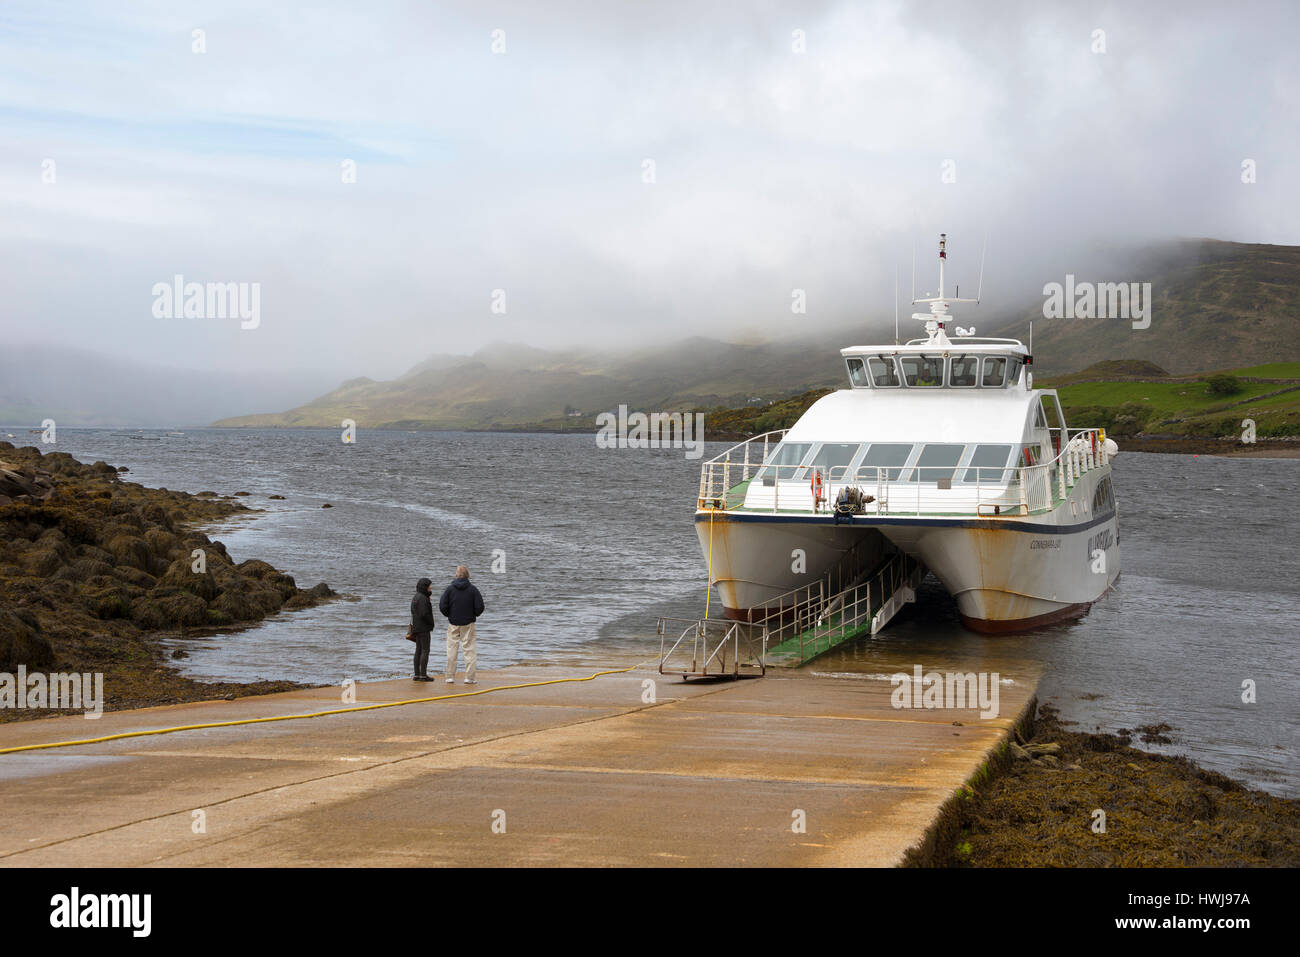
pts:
[708, 585]
[295, 717]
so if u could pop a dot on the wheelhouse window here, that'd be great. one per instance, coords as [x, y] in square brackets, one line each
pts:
[1013, 370]
[995, 372]
[963, 372]
[936, 462]
[833, 459]
[783, 461]
[884, 459]
[988, 464]
[922, 372]
[884, 372]
[858, 374]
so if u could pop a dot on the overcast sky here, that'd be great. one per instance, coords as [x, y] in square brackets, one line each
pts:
[524, 170]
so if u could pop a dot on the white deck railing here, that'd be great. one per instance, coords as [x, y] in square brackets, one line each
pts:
[726, 482]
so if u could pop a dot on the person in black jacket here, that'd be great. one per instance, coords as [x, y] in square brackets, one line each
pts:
[461, 603]
[422, 622]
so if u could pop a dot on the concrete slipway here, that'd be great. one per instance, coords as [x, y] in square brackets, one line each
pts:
[586, 773]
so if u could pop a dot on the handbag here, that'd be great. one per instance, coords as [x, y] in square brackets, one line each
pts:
[410, 632]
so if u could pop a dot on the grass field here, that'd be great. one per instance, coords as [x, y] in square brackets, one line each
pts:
[1273, 370]
[1188, 408]
[1180, 398]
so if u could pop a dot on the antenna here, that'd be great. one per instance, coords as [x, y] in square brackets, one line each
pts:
[913, 270]
[895, 305]
[1031, 337]
[943, 257]
[980, 292]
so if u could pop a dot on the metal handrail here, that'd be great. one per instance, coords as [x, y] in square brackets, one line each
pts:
[698, 631]
[907, 490]
[817, 608]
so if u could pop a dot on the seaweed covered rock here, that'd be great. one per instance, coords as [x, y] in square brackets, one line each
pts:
[244, 599]
[94, 569]
[24, 485]
[183, 609]
[22, 642]
[181, 576]
[130, 550]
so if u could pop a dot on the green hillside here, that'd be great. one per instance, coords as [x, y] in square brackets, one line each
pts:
[1181, 406]
[1269, 394]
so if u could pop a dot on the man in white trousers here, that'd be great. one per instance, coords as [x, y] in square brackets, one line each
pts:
[461, 604]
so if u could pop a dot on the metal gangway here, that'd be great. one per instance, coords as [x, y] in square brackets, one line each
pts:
[811, 620]
[712, 648]
[850, 600]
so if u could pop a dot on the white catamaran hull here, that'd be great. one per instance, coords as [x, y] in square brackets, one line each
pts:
[1006, 574]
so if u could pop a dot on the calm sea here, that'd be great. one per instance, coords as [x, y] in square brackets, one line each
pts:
[590, 545]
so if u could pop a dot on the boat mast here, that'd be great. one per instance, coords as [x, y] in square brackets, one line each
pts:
[938, 315]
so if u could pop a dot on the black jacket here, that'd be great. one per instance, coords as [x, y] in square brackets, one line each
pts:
[422, 620]
[461, 603]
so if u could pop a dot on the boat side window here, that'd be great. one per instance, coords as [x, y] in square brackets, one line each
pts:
[988, 464]
[858, 374]
[1013, 371]
[1103, 499]
[884, 459]
[922, 372]
[833, 458]
[883, 371]
[963, 372]
[783, 461]
[995, 370]
[936, 462]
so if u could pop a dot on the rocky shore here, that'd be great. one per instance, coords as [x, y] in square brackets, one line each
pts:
[1035, 805]
[95, 571]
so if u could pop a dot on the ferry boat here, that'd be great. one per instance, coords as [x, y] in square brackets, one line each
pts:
[939, 456]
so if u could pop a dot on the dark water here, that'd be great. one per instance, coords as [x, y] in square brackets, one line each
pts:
[598, 542]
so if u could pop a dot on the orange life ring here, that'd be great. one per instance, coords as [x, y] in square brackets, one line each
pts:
[816, 483]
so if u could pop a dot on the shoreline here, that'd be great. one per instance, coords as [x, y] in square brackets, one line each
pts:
[1035, 804]
[1264, 447]
[97, 572]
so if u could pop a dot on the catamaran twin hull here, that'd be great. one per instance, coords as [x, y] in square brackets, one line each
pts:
[1008, 573]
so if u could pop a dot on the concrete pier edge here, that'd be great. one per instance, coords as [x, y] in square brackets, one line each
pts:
[947, 821]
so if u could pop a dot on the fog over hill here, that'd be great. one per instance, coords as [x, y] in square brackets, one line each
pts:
[1214, 305]
[80, 387]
